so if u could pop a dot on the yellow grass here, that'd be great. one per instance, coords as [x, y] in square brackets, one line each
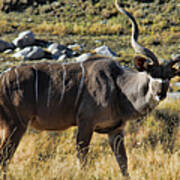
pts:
[50, 156]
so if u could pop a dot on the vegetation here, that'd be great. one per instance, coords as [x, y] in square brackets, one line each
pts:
[76, 21]
[153, 145]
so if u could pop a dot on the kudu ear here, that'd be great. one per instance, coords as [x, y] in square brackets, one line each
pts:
[176, 71]
[141, 63]
[172, 65]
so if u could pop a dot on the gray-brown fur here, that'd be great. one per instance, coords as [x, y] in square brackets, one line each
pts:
[95, 95]
[109, 97]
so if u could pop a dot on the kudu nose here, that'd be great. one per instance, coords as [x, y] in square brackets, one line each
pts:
[162, 96]
[163, 91]
[160, 88]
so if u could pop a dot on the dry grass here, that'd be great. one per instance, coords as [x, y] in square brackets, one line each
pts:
[75, 17]
[80, 29]
[50, 155]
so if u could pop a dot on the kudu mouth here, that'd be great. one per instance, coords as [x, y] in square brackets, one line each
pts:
[163, 94]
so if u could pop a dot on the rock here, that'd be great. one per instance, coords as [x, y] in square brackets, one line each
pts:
[36, 53]
[8, 51]
[30, 53]
[56, 50]
[5, 45]
[56, 53]
[83, 57]
[75, 54]
[62, 58]
[26, 38]
[68, 52]
[53, 46]
[75, 47]
[42, 43]
[105, 51]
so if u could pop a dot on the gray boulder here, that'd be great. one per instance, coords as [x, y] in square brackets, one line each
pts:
[30, 53]
[83, 57]
[26, 38]
[56, 46]
[56, 50]
[105, 51]
[5, 45]
[62, 58]
[8, 51]
[56, 53]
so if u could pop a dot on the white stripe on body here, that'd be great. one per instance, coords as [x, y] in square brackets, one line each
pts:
[17, 82]
[5, 77]
[81, 83]
[63, 83]
[8, 85]
[49, 89]
[3, 84]
[36, 83]
[2, 133]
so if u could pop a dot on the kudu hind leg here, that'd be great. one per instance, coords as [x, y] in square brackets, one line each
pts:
[116, 142]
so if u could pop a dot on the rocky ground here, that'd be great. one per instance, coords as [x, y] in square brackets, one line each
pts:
[73, 30]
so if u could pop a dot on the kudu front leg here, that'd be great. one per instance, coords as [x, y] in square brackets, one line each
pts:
[116, 142]
[84, 135]
[10, 137]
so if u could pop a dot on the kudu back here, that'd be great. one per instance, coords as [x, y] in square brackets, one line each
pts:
[96, 95]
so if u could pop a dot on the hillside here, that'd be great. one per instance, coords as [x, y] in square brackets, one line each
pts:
[80, 22]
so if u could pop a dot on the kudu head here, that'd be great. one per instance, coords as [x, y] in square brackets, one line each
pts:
[159, 74]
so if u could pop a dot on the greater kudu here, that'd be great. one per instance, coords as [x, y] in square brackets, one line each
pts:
[95, 95]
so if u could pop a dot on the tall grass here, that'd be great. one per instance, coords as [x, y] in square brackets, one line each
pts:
[52, 155]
